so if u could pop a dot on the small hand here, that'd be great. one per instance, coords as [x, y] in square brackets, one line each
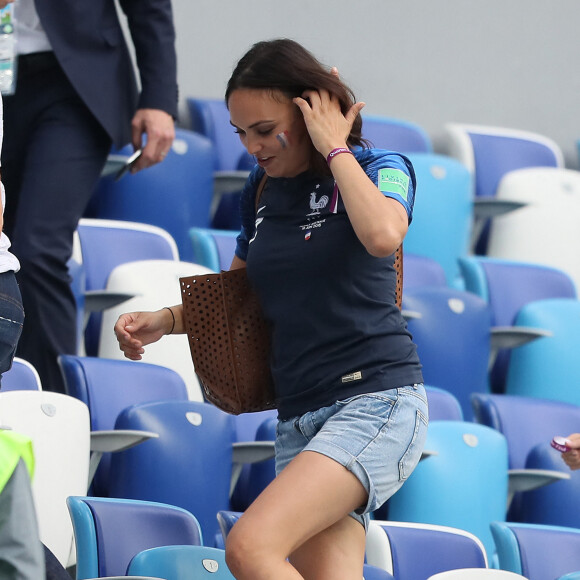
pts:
[160, 130]
[327, 126]
[572, 457]
[135, 330]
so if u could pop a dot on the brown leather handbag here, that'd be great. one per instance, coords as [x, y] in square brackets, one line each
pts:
[230, 340]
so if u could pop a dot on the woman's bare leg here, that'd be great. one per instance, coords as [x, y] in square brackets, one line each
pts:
[302, 514]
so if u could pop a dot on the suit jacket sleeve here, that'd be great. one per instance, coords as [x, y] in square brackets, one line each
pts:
[153, 34]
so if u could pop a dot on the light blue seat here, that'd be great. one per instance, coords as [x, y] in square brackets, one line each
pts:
[507, 285]
[545, 368]
[452, 331]
[109, 532]
[174, 195]
[108, 386]
[21, 376]
[535, 551]
[443, 212]
[464, 484]
[181, 563]
[213, 248]
[396, 134]
[491, 152]
[193, 463]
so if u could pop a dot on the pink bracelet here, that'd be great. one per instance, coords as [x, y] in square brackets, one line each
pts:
[336, 152]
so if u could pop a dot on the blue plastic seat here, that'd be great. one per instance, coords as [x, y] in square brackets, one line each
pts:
[108, 386]
[414, 551]
[527, 422]
[535, 551]
[452, 332]
[109, 532]
[443, 212]
[557, 504]
[422, 271]
[396, 134]
[491, 152]
[189, 464]
[231, 161]
[507, 285]
[174, 195]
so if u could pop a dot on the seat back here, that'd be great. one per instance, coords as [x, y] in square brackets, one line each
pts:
[537, 552]
[58, 426]
[489, 153]
[108, 386]
[443, 212]
[21, 376]
[188, 465]
[174, 195]
[543, 368]
[552, 201]
[395, 134]
[453, 340]
[527, 422]
[154, 284]
[443, 405]
[104, 244]
[507, 285]
[109, 532]
[544, 505]
[259, 426]
[213, 248]
[464, 485]
[181, 563]
[422, 271]
[395, 547]
[211, 118]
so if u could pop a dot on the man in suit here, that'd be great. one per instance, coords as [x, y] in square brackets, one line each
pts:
[75, 95]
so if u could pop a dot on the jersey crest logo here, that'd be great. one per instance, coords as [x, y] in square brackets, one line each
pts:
[317, 205]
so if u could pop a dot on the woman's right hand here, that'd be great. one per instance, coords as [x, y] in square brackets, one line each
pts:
[135, 330]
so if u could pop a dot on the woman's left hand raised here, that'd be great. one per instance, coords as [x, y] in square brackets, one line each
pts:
[327, 126]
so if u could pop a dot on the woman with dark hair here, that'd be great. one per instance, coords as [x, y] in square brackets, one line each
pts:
[319, 250]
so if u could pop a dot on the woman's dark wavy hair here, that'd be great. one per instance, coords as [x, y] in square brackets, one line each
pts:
[286, 66]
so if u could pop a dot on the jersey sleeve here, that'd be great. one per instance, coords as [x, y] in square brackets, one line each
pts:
[248, 212]
[393, 174]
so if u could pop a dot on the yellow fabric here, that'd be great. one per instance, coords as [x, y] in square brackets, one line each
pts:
[13, 447]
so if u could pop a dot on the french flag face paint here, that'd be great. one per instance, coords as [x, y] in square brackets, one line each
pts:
[283, 139]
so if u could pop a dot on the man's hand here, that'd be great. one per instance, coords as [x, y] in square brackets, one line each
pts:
[159, 128]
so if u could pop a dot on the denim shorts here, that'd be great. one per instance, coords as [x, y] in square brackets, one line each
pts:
[11, 319]
[379, 437]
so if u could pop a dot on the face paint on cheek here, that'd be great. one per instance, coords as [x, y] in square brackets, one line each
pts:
[283, 139]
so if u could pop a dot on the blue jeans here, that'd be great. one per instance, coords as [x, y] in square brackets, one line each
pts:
[11, 319]
[379, 437]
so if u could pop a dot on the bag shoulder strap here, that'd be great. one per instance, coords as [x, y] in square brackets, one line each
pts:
[398, 252]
